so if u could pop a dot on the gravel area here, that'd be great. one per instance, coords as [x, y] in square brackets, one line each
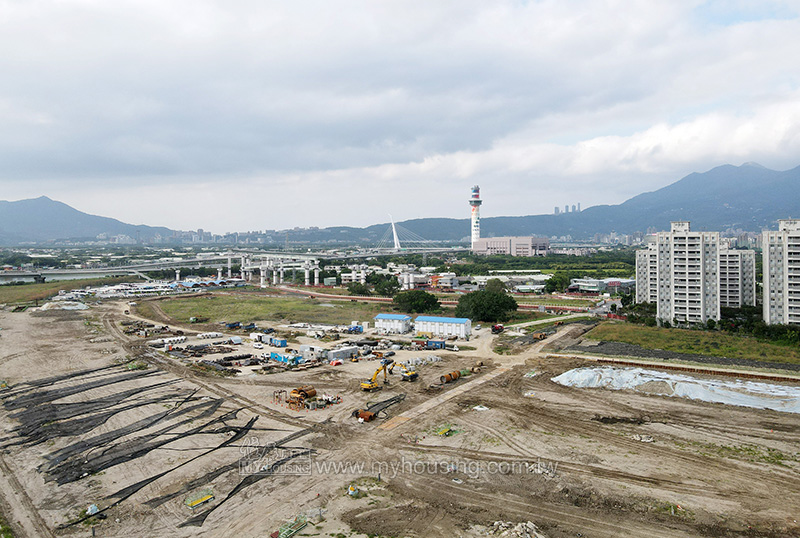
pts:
[630, 350]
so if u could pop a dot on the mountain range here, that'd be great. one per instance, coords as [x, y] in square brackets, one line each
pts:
[747, 197]
[42, 220]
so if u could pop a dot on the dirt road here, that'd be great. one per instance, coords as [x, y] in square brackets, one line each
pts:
[507, 444]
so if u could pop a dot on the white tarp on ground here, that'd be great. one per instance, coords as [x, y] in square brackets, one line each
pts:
[732, 392]
[64, 305]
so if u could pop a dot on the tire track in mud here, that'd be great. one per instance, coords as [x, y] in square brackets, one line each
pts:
[180, 371]
[20, 497]
[577, 468]
[210, 476]
[703, 468]
[591, 525]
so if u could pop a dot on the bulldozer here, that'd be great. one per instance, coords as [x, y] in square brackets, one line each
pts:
[372, 383]
[406, 374]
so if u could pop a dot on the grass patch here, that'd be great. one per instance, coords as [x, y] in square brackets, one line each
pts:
[695, 342]
[751, 453]
[26, 293]
[556, 301]
[247, 308]
[5, 529]
[539, 327]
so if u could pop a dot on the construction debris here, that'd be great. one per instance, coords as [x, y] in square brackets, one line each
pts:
[520, 530]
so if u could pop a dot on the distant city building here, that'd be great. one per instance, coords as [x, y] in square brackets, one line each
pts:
[444, 280]
[594, 285]
[781, 267]
[690, 275]
[556, 211]
[513, 246]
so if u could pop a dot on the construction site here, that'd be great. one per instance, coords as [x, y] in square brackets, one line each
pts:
[119, 425]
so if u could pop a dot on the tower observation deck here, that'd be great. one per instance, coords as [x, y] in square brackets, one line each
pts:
[475, 203]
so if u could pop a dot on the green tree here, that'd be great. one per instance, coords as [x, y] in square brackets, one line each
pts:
[416, 301]
[387, 285]
[495, 285]
[557, 283]
[357, 288]
[486, 306]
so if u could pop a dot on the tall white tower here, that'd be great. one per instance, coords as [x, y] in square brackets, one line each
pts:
[475, 202]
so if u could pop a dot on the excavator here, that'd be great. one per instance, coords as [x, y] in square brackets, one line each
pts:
[406, 374]
[372, 383]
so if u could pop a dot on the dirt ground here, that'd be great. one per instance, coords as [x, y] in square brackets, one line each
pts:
[80, 427]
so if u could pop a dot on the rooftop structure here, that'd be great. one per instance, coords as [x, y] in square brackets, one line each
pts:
[512, 246]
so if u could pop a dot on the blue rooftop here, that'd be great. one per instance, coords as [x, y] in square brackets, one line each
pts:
[400, 317]
[437, 319]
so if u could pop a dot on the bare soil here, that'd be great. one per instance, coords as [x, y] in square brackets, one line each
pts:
[80, 428]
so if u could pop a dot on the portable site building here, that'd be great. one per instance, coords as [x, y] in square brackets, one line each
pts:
[440, 326]
[393, 323]
[343, 353]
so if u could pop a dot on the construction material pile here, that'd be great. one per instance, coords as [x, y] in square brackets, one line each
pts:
[520, 530]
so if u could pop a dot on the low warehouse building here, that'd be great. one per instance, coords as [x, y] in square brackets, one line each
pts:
[393, 323]
[438, 326]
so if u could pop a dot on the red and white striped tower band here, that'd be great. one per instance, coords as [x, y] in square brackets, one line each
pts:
[475, 202]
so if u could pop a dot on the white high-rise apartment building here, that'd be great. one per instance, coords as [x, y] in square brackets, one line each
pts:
[690, 275]
[781, 257]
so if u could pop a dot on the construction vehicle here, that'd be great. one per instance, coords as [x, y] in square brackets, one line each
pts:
[557, 323]
[406, 374]
[539, 336]
[372, 383]
[497, 329]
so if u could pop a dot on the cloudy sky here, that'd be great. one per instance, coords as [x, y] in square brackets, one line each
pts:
[247, 115]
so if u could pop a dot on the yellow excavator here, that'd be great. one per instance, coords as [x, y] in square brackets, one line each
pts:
[406, 374]
[372, 383]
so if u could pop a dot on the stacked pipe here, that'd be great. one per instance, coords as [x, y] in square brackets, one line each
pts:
[452, 376]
